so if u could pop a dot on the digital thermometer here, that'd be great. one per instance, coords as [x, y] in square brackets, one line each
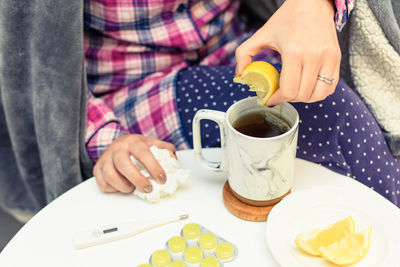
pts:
[115, 232]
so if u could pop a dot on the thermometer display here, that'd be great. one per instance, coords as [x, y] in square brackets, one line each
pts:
[110, 230]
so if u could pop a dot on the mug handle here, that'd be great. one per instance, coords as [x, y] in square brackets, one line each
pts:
[219, 118]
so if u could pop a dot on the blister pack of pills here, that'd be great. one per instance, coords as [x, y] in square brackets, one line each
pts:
[196, 246]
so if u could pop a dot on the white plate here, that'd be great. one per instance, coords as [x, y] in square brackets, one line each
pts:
[319, 206]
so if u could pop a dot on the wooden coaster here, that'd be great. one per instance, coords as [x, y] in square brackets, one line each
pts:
[246, 211]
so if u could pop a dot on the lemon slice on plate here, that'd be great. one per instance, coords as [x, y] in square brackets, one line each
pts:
[262, 78]
[312, 242]
[348, 250]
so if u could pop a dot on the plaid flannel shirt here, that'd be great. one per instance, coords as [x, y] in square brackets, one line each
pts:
[134, 50]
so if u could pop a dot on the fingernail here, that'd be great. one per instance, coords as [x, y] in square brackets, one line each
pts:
[163, 178]
[148, 188]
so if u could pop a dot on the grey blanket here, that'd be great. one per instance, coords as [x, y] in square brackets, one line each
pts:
[42, 103]
[387, 12]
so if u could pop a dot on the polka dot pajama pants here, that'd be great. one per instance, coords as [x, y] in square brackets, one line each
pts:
[339, 132]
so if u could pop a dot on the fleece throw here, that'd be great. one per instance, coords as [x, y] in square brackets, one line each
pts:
[42, 103]
[374, 46]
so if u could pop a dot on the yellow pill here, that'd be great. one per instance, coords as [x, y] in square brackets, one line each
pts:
[177, 263]
[191, 230]
[225, 250]
[210, 262]
[193, 255]
[177, 244]
[144, 265]
[160, 258]
[208, 241]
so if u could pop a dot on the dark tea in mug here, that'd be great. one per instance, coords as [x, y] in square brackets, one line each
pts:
[260, 124]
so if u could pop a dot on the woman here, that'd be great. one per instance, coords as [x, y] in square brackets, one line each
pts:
[152, 65]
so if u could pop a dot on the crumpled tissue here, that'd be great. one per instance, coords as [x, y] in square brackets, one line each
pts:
[176, 176]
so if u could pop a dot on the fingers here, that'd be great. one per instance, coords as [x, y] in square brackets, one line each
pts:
[308, 80]
[251, 47]
[164, 145]
[116, 172]
[109, 173]
[141, 151]
[103, 185]
[299, 77]
[116, 180]
[242, 59]
[323, 89]
[129, 171]
[289, 81]
[151, 164]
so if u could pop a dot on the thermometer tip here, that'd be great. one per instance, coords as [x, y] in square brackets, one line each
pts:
[184, 216]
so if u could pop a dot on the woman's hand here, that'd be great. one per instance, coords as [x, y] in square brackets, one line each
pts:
[114, 171]
[304, 33]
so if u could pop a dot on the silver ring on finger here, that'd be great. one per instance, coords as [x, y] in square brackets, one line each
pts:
[326, 79]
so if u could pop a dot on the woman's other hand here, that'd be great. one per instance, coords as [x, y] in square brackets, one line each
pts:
[114, 171]
[304, 33]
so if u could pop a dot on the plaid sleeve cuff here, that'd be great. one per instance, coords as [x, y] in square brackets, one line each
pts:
[102, 127]
[343, 9]
[103, 137]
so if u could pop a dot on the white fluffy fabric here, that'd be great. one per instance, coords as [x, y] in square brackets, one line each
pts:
[175, 175]
[375, 67]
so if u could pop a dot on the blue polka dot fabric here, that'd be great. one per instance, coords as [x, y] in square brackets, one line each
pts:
[339, 132]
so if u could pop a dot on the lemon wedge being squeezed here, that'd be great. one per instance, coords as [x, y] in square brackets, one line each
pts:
[262, 78]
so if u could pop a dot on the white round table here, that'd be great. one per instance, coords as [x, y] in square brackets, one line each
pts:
[46, 240]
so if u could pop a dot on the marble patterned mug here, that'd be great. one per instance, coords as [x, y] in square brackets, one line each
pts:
[259, 170]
